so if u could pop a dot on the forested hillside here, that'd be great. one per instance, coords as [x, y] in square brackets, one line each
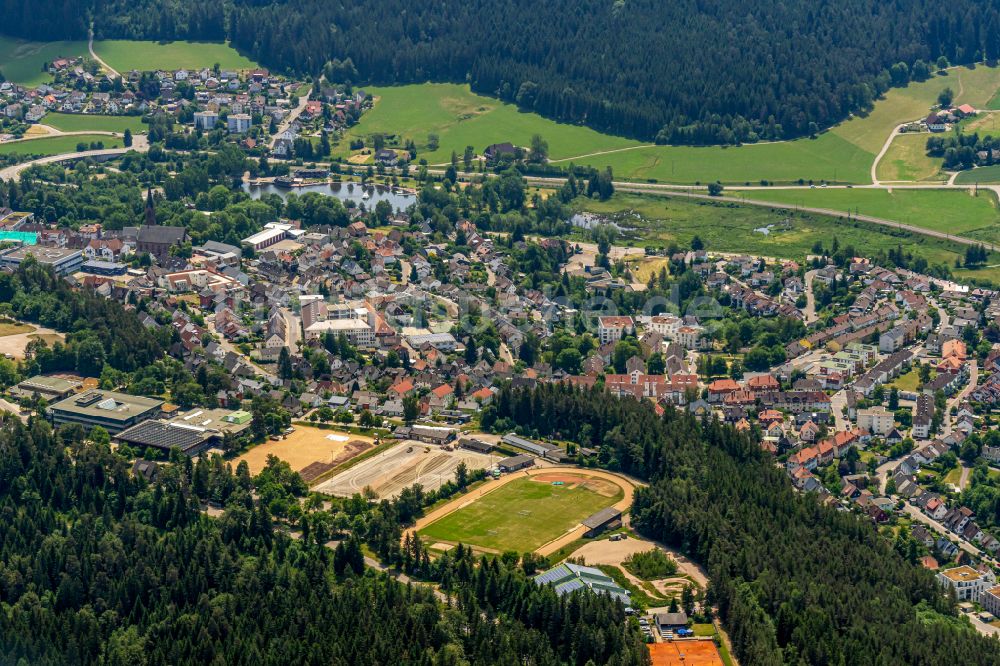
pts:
[690, 71]
[99, 567]
[796, 583]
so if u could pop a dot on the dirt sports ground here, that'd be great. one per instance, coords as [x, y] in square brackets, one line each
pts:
[309, 451]
[685, 653]
[403, 465]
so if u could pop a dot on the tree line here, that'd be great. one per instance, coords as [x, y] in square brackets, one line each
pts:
[782, 70]
[796, 582]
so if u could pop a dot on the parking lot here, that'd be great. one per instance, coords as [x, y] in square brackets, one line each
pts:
[404, 465]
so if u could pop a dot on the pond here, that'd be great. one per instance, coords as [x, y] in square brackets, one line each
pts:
[344, 191]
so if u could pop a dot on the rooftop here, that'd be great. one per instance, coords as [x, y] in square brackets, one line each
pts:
[106, 404]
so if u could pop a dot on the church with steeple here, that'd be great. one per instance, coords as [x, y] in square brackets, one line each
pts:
[154, 239]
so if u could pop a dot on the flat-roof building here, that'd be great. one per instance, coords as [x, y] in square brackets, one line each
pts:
[968, 583]
[50, 388]
[62, 260]
[357, 332]
[112, 411]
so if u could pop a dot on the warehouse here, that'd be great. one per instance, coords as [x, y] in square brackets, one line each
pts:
[515, 463]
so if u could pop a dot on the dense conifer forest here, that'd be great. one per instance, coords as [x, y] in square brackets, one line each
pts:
[98, 566]
[688, 72]
[796, 583]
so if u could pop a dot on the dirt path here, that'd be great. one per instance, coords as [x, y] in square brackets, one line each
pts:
[601, 152]
[90, 47]
[616, 552]
[627, 485]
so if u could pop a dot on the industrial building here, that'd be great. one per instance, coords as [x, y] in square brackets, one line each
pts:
[112, 411]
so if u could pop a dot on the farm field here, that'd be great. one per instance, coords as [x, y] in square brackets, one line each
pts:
[54, 145]
[907, 159]
[990, 174]
[526, 513]
[388, 472]
[125, 55]
[951, 211]
[308, 446]
[78, 122]
[21, 60]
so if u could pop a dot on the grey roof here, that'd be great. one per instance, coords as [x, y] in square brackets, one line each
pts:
[601, 517]
[162, 435]
[158, 234]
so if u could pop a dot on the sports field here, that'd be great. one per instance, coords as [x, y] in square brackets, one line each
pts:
[685, 653]
[525, 513]
[21, 60]
[307, 447]
[80, 122]
[54, 145]
[403, 465]
[951, 211]
[126, 55]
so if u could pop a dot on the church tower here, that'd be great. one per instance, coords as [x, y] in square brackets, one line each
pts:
[150, 208]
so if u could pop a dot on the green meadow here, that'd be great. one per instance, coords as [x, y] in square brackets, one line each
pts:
[126, 55]
[950, 211]
[54, 145]
[78, 122]
[845, 153]
[21, 61]
[726, 225]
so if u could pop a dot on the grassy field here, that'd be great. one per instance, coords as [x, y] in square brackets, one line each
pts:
[845, 153]
[461, 118]
[77, 122]
[126, 55]
[54, 145]
[989, 174]
[951, 211]
[14, 328]
[727, 226]
[907, 159]
[907, 382]
[521, 515]
[21, 61]
[828, 157]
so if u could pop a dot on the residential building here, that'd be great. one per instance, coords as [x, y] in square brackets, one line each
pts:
[239, 123]
[968, 583]
[876, 420]
[612, 329]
